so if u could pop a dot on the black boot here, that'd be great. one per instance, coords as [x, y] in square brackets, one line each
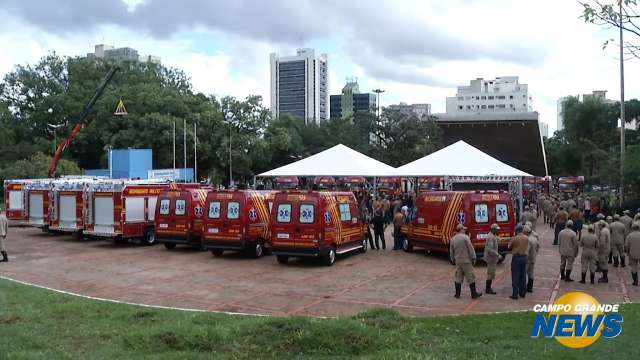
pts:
[593, 277]
[474, 293]
[458, 290]
[530, 285]
[605, 277]
[635, 279]
[610, 257]
[598, 268]
[488, 288]
[584, 275]
[615, 261]
[567, 276]
[5, 258]
[622, 264]
[561, 274]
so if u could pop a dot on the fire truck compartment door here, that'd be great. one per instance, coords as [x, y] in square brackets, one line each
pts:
[36, 213]
[15, 200]
[68, 211]
[104, 214]
[151, 207]
[134, 209]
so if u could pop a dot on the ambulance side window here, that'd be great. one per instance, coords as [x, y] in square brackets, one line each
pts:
[233, 210]
[181, 206]
[164, 206]
[345, 212]
[307, 214]
[284, 213]
[214, 210]
[502, 213]
[482, 213]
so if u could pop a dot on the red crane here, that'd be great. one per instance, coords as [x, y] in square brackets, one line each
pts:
[82, 120]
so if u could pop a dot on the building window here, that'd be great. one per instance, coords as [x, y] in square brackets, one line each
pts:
[511, 97]
[500, 97]
[484, 106]
[491, 106]
[490, 97]
[501, 106]
[460, 98]
[483, 97]
[468, 106]
[460, 107]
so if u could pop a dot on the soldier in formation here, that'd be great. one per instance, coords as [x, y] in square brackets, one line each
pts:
[589, 245]
[568, 241]
[632, 247]
[463, 255]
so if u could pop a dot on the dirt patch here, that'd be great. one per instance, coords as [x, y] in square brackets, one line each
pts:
[10, 321]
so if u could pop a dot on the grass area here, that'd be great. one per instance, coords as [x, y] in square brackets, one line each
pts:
[40, 324]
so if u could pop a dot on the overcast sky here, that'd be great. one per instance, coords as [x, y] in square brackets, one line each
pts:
[418, 51]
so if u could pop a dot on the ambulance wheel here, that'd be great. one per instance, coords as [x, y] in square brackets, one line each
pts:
[363, 249]
[217, 252]
[149, 237]
[170, 246]
[258, 249]
[406, 245]
[330, 258]
[282, 259]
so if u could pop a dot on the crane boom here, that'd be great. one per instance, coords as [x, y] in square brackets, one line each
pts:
[82, 120]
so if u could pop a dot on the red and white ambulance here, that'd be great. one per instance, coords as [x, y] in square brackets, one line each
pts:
[237, 220]
[180, 215]
[121, 209]
[66, 213]
[37, 202]
[433, 221]
[317, 224]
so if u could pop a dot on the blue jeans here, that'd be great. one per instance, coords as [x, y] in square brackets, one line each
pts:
[559, 227]
[518, 275]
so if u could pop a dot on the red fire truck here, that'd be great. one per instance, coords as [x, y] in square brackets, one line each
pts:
[179, 215]
[570, 184]
[316, 224]
[237, 220]
[37, 205]
[122, 209]
[429, 183]
[391, 186]
[286, 182]
[324, 182]
[438, 213]
[352, 183]
[66, 213]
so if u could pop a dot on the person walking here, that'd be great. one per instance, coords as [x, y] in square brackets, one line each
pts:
[378, 228]
[589, 245]
[604, 249]
[618, 234]
[632, 247]
[587, 209]
[534, 247]
[546, 208]
[626, 220]
[560, 221]
[568, 251]
[528, 215]
[576, 216]
[519, 246]
[491, 257]
[4, 229]
[463, 255]
[398, 220]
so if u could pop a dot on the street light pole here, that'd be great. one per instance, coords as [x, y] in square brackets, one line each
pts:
[378, 92]
[230, 164]
[622, 122]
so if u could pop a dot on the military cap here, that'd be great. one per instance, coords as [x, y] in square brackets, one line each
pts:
[569, 223]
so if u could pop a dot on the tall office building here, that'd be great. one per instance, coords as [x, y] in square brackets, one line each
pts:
[124, 54]
[351, 101]
[300, 85]
[421, 110]
[502, 94]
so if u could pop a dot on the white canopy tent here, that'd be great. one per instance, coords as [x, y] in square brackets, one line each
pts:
[458, 159]
[339, 160]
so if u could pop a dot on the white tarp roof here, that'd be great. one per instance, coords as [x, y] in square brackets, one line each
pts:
[459, 159]
[339, 160]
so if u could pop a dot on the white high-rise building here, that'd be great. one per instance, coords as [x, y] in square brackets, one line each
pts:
[502, 94]
[300, 85]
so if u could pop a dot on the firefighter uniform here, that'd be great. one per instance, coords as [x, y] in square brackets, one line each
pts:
[491, 256]
[604, 249]
[632, 246]
[568, 251]
[463, 254]
[589, 245]
[534, 247]
[546, 208]
[4, 227]
[618, 233]
[626, 220]
[528, 215]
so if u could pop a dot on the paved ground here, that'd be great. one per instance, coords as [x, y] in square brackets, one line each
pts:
[413, 283]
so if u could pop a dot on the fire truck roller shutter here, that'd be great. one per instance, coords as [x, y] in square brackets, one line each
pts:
[68, 211]
[104, 214]
[15, 200]
[36, 212]
[135, 209]
[151, 207]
